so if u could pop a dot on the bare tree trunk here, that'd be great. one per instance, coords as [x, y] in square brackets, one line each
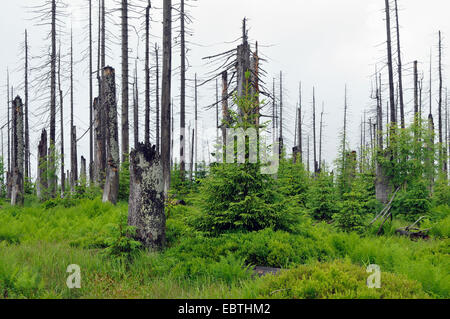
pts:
[217, 111]
[225, 115]
[390, 69]
[17, 193]
[166, 92]
[308, 162]
[111, 191]
[136, 108]
[299, 128]
[8, 122]
[83, 175]
[416, 98]
[147, 73]
[183, 94]
[400, 79]
[442, 160]
[27, 134]
[91, 99]
[316, 168]
[191, 171]
[61, 105]
[158, 116]
[320, 139]
[196, 126]
[52, 159]
[125, 122]
[243, 63]
[73, 130]
[281, 116]
[344, 139]
[42, 182]
[146, 203]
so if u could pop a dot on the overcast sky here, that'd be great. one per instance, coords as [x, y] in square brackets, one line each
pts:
[322, 43]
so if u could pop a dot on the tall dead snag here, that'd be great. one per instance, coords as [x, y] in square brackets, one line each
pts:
[147, 73]
[183, 94]
[111, 190]
[41, 181]
[196, 125]
[61, 106]
[166, 92]
[316, 167]
[83, 175]
[136, 107]
[299, 127]
[91, 99]
[281, 140]
[146, 203]
[17, 193]
[320, 139]
[125, 123]
[100, 138]
[158, 116]
[27, 133]
[400, 79]
[52, 158]
[73, 129]
[390, 70]
[243, 63]
[225, 114]
[442, 160]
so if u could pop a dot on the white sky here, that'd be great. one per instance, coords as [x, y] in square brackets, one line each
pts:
[323, 43]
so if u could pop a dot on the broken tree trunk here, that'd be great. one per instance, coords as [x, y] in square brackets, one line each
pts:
[74, 159]
[41, 183]
[83, 176]
[17, 192]
[111, 191]
[100, 156]
[146, 203]
[225, 115]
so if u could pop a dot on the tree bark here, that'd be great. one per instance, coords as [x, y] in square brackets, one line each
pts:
[146, 203]
[111, 191]
[147, 73]
[158, 116]
[183, 94]
[83, 176]
[27, 134]
[42, 182]
[390, 69]
[125, 89]
[52, 159]
[91, 98]
[166, 92]
[61, 106]
[17, 193]
[225, 114]
[73, 129]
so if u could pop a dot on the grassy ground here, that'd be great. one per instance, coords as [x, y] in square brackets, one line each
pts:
[38, 242]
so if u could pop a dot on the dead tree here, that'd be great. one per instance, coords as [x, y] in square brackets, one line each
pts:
[147, 73]
[27, 133]
[320, 139]
[158, 116]
[400, 79]
[146, 203]
[442, 160]
[281, 140]
[166, 92]
[8, 122]
[83, 176]
[136, 107]
[390, 70]
[183, 93]
[111, 190]
[344, 137]
[125, 89]
[17, 192]
[196, 124]
[243, 63]
[316, 167]
[416, 98]
[300, 126]
[91, 99]
[41, 181]
[61, 106]
[73, 129]
[52, 158]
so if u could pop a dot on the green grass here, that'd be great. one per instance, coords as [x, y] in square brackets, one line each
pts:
[38, 242]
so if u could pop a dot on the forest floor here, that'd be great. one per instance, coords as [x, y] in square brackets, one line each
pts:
[38, 243]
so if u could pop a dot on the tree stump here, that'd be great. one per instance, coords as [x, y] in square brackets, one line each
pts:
[146, 203]
[111, 190]
[17, 191]
[41, 182]
[83, 176]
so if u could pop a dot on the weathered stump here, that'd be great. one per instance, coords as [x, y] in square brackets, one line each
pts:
[111, 190]
[83, 172]
[17, 191]
[41, 182]
[146, 204]
[73, 159]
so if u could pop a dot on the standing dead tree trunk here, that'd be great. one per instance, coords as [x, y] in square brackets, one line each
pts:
[147, 73]
[17, 193]
[111, 191]
[158, 116]
[52, 158]
[300, 126]
[136, 107]
[27, 133]
[91, 99]
[146, 203]
[83, 175]
[390, 70]
[166, 92]
[41, 182]
[281, 140]
[125, 88]
[61, 106]
[316, 167]
[400, 79]
[183, 94]
[225, 114]
[73, 130]
[320, 139]
[442, 160]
